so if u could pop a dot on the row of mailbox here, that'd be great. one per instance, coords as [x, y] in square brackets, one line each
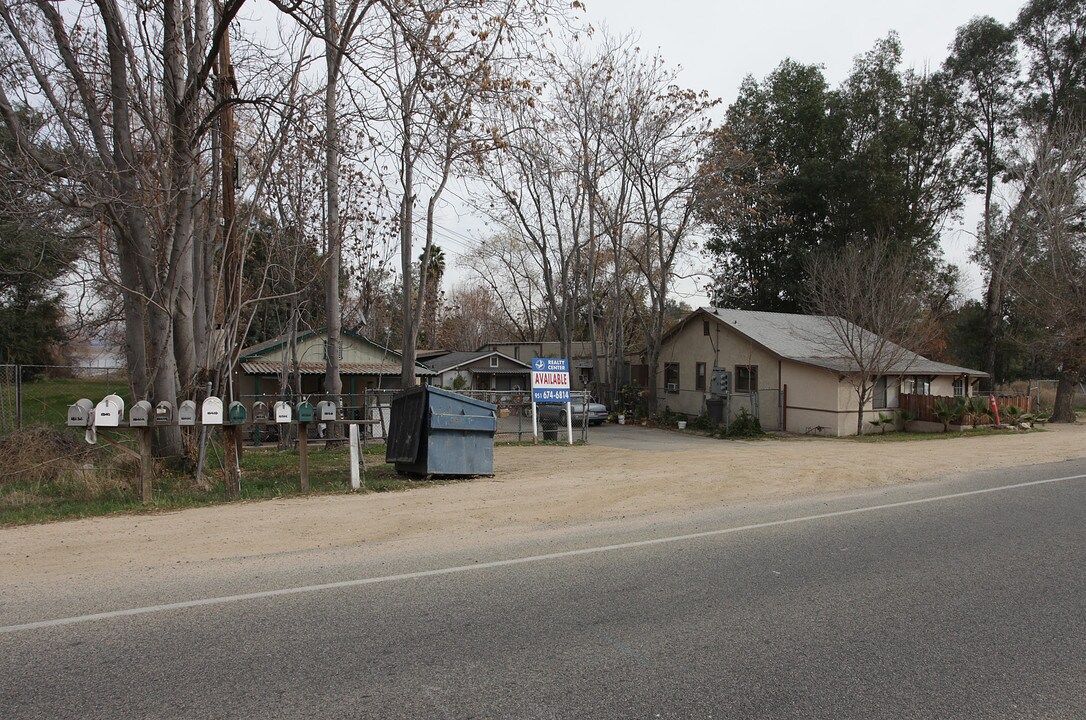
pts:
[110, 413]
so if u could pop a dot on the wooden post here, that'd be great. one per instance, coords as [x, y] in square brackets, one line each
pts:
[303, 455]
[230, 460]
[147, 465]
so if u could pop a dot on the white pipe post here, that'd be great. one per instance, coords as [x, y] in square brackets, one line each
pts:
[569, 421]
[356, 482]
[535, 423]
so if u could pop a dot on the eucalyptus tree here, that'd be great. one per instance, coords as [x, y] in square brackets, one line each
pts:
[122, 86]
[984, 64]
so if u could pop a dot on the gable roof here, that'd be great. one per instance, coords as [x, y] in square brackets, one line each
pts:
[258, 351]
[808, 339]
[459, 359]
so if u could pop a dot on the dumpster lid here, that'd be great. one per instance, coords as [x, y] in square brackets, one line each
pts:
[405, 425]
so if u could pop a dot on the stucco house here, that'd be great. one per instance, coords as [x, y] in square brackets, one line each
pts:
[784, 369]
[481, 370]
[363, 365]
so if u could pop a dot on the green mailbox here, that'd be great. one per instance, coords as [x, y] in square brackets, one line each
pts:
[236, 414]
[306, 413]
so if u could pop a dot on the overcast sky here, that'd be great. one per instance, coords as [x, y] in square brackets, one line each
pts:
[719, 43]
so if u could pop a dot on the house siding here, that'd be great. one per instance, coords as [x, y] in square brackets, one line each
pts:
[690, 346]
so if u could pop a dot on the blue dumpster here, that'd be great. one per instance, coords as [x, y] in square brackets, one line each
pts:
[437, 432]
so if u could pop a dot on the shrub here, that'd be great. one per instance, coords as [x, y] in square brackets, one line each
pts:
[744, 425]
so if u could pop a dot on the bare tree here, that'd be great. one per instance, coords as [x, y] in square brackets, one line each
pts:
[868, 295]
[1051, 282]
[665, 131]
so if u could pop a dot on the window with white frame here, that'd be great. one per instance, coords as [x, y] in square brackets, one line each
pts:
[493, 361]
[960, 387]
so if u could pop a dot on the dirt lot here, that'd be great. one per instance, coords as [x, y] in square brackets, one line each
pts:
[534, 488]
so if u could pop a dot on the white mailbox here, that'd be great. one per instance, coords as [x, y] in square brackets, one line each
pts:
[186, 414]
[109, 412]
[212, 411]
[282, 412]
[326, 410]
[140, 414]
[80, 413]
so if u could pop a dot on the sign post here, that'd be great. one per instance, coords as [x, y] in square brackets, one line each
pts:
[550, 384]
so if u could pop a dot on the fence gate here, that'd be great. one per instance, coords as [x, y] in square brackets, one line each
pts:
[10, 402]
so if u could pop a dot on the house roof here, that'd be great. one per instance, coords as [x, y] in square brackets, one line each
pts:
[809, 339]
[252, 356]
[459, 359]
[257, 367]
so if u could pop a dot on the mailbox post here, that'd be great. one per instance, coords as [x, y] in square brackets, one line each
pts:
[306, 415]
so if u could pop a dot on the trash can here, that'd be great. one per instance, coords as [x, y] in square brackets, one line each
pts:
[715, 406]
[437, 432]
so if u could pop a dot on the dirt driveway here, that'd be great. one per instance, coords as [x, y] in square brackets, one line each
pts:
[533, 488]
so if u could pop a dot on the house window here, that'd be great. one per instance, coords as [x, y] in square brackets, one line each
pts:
[878, 395]
[746, 378]
[493, 361]
[705, 328]
[671, 377]
[699, 376]
[918, 385]
[959, 387]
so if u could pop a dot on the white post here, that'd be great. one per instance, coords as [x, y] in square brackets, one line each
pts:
[535, 423]
[353, 441]
[569, 421]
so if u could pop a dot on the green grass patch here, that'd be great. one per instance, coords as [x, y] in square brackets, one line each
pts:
[46, 400]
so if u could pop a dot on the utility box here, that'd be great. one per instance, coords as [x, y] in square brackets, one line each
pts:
[109, 412]
[186, 414]
[211, 412]
[306, 412]
[326, 410]
[80, 413]
[283, 412]
[260, 412]
[140, 414]
[437, 432]
[164, 413]
[236, 414]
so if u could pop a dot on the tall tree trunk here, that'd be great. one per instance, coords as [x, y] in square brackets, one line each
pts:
[1064, 409]
[333, 385]
[407, 220]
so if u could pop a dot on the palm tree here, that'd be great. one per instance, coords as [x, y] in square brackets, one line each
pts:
[434, 271]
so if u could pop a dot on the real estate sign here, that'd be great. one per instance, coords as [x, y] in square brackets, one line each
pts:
[550, 380]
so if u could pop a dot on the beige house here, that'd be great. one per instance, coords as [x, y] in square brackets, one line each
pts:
[580, 365]
[783, 369]
[363, 366]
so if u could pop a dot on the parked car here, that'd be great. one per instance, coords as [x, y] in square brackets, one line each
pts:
[596, 412]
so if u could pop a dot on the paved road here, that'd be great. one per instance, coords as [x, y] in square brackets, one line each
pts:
[955, 599]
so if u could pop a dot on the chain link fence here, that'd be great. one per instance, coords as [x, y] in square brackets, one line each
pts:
[39, 395]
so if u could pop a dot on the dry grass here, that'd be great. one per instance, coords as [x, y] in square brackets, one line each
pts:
[41, 461]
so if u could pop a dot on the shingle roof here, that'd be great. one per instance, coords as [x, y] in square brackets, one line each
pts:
[809, 339]
[457, 359]
[259, 367]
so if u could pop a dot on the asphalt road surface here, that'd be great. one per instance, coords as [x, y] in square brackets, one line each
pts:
[963, 598]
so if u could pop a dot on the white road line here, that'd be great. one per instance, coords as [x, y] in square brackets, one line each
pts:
[512, 561]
